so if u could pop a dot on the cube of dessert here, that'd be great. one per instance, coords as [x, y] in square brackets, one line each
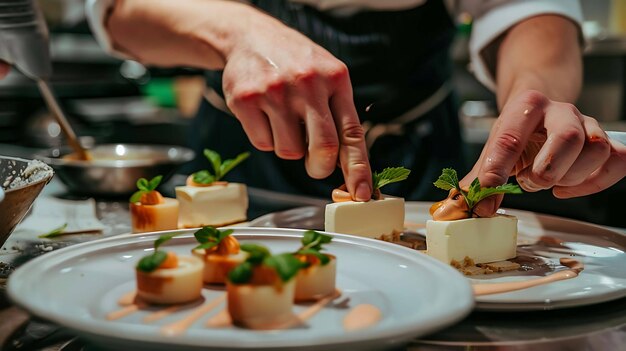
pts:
[373, 219]
[480, 239]
[215, 205]
[151, 218]
[180, 284]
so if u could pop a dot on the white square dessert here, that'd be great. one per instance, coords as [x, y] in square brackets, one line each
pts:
[215, 205]
[481, 239]
[372, 219]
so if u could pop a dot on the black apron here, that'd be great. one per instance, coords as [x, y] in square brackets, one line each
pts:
[396, 60]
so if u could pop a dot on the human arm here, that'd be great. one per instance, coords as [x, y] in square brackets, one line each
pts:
[290, 95]
[540, 137]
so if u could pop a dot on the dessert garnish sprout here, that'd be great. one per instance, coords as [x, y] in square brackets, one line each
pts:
[220, 168]
[209, 237]
[312, 242]
[449, 180]
[153, 261]
[285, 265]
[146, 188]
[387, 176]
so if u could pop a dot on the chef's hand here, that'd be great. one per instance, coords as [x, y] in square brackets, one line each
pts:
[547, 144]
[294, 98]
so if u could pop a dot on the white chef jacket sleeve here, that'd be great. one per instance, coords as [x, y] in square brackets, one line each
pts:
[494, 17]
[97, 12]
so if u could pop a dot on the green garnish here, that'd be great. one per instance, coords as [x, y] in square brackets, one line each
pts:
[209, 237]
[449, 180]
[286, 265]
[153, 261]
[389, 175]
[54, 232]
[145, 186]
[312, 242]
[219, 168]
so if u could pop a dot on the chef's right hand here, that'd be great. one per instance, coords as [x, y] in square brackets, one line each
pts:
[294, 98]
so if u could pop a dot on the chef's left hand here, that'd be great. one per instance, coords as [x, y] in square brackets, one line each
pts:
[547, 144]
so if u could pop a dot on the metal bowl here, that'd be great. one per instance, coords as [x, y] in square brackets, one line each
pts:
[115, 168]
[17, 199]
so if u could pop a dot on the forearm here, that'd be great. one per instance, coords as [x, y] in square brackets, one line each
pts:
[542, 53]
[170, 33]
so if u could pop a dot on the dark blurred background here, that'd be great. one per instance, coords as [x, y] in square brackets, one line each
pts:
[112, 100]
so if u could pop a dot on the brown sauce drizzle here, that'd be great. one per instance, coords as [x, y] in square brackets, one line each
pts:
[575, 267]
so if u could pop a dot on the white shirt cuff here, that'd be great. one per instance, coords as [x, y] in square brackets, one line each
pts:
[96, 12]
[496, 21]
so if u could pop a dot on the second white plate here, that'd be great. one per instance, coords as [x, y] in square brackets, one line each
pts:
[542, 239]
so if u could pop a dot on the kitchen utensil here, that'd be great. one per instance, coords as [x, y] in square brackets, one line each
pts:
[24, 44]
[115, 168]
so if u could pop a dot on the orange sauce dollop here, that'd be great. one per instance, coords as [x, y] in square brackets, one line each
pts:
[452, 208]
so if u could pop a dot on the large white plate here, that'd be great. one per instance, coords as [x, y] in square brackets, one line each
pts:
[77, 286]
[543, 240]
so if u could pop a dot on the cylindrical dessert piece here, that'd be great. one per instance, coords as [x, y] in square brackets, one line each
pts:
[151, 218]
[263, 303]
[217, 266]
[316, 281]
[172, 285]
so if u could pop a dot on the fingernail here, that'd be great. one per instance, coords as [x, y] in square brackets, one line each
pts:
[487, 207]
[363, 192]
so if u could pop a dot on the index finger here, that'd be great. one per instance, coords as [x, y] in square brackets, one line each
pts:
[507, 140]
[517, 122]
[352, 150]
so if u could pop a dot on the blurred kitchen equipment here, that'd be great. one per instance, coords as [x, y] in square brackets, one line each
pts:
[18, 200]
[115, 168]
[24, 44]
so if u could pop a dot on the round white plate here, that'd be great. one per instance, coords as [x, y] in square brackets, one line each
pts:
[544, 238]
[77, 286]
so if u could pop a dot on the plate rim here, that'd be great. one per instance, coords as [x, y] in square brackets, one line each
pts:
[87, 327]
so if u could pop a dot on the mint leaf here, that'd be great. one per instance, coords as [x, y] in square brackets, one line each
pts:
[314, 240]
[476, 193]
[286, 265]
[216, 162]
[324, 259]
[256, 253]
[209, 237]
[448, 180]
[54, 232]
[154, 182]
[151, 262]
[228, 165]
[164, 238]
[241, 274]
[143, 184]
[136, 197]
[389, 175]
[203, 177]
